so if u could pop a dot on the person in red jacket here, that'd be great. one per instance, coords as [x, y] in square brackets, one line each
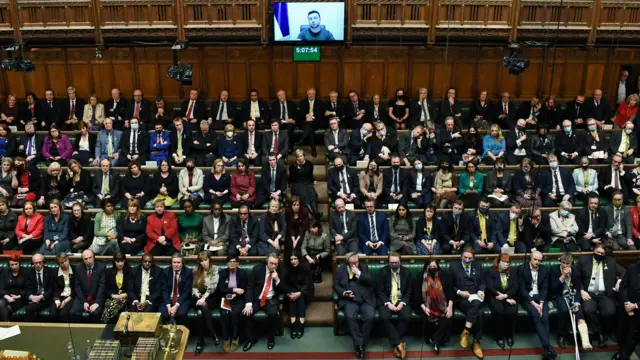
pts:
[29, 229]
[627, 111]
[162, 232]
[635, 220]
[243, 186]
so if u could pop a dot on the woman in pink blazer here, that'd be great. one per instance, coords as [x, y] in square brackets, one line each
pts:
[57, 147]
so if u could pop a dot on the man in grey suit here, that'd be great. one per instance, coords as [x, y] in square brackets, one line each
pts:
[619, 223]
[215, 229]
[408, 145]
[336, 140]
[107, 143]
[343, 226]
[105, 184]
[89, 289]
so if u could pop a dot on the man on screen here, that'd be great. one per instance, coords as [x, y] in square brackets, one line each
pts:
[315, 31]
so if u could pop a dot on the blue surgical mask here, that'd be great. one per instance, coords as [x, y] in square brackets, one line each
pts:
[564, 213]
[382, 132]
[467, 262]
[591, 127]
[418, 166]
[567, 129]
[135, 126]
[364, 133]
[553, 165]
[526, 169]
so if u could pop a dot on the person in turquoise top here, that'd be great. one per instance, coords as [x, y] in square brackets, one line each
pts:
[494, 145]
[470, 186]
[190, 229]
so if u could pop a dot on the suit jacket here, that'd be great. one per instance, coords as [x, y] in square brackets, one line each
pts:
[242, 282]
[616, 139]
[280, 181]
[231, 108]
[602, 112]
[362, 286]
[336, 227]
[88, 114]
[364, 179]
[492, 228]
[318, 113]
[605, 176]
[630, 285]
[369, 115]
[51, 114]
[92, 142]
[222, 235]
[163, 148]
[524, 111]
[436, 230]
[144, 114]
[102, 143]
[599, 226]
[625, 220]
[334, 184]
[257, 278]
[448, 228]
[551, 116]
[556, 288]
[38, 146]
[235, 232]
[48, 278]
[245, 114]
[111, 286]
[562, 229]
[292, 111]
[350, 113]
[383, 286]
[415, 112]
[592, 180]
[408, 149]
[531, 232]
[509, 121]
[186, 143]
[156, 283]
[142, 142]
[343, 141]
[358, 146]
[35, 227]
[448, 144]
[446, 109]
[494, 283]
[403, 176]
[511, 142]
[65, 109]
[202, 148]
[611, 272]
[185, 285]
[574, 111]
[364, 228]
[198, 112]
[114, 184]
[390, 141]
[568, 143]
[97, 287]
[458, 275]
[525, 282]
[591, 145]
[258, 139]
[339, 110]
[118, 113]
[58, 283]
[565, 178]
[283, 143]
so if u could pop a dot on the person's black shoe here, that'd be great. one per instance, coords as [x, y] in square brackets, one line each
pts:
[216, 341]
[248, 345]
[510, 341]
[549, 353]
[199, 348]
[562, 342]
[601, 340]
[271, 343]
[300, 330]
[294, 332]
[500, 343]
[359, 352]
[616, 356]
[436, 349]
[613, 337]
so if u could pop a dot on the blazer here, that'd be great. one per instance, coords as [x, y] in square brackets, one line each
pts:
[156, 226]
[601, 112]
[265, 180]
[387, 176]
[525, 282]
[257, 278]
[283, 143]
[65, 109]
[231, 108]
[156, 283]
[629, 286]
[484, 111]
[242, 282]
[364, 228]
[114, 184]
[65, 149]
[635, 222]
[58, 283]
[579, 180]
[551, 116]
[407, 149]
[88, 114]
[358, 146]
[573, 111]
[339, 109]
[599, 226]
[198, 112]
[511, 140]
[383, 286]
[568, 144]
[491, 182]
[616, 139]
[245, 114]
[342, 144]
[48, 278]
[415, 112]
[208, 233]
[625, 220]
[102, 143]
[334, 184]
[556, 288]
[235, 232]
[185, 285]
[492, 228]
[96, 290]
[206, 143]
[591, 145]
[50, 114]
[464, 183]
[421, 230]
[448, 144]
[336, 227]
[561, 230]
[605, 176]
[298, 279]
[118, 112]
[142, 141]
[111, 287]
[186, 143]
[611, 272]
[163, 148]
[568, 185]
[383, 112]
[458, 275]
[92, 142]
[144, 114]
[494, 283]
[197, 181]
[365, 179]
[263, 236]
[542, 145]
[525, 111]
[318, 112]
[35, 227]
[447, 109]
[24, 141]
[448, 230]
[292, 111]
[509, 121]
[362, 286]
[258, 138]
[390, 140]
[532, 232]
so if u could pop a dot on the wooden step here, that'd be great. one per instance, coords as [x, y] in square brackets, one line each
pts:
[325, 288]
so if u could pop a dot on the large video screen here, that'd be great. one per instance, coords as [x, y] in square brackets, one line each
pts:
[311, 22]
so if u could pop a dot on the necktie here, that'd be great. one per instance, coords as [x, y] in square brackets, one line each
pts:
[180, 144]
[424, 110]
[39, 283]
[253, 111]
[395, 181]
[105, 184]
[73, 110]
[93, 114]
[190, 111]
[351, 275]
[333, 106]
[577, 111]
[174, 298]
[243, 238]
[251, 143]
[51, 104]
[29, 147]
[115, 104]
[374, 233]
[275, 143]
[394, 288]
[483, 227]
[344, 222]
[158, 138]
[593, 219]
[335, 137]
[344, 183]
[375, 112]
[109, 145]
[134, 144]
[597, 103]
[467, 270]
[145, 286]
[506, 112]
[136, 113]
[272, 186]
[265, 293]
[310, 107]
[512, 232]
[555, 177]
[616, 183]
[221, 110]
[89, 273]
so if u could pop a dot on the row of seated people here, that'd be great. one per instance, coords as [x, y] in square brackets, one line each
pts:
[597, 291]
[519, 229]
[90, 291]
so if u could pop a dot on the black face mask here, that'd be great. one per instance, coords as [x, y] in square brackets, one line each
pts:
[159, 132]
[190, 168]
[395, 167]
[432, 272]
[483, 210]
[598, 258]
[520, 128]
[585, 166]
[444, 168]
[340, 168]
[499, 168]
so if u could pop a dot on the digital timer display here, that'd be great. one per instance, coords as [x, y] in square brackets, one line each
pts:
[306, 53]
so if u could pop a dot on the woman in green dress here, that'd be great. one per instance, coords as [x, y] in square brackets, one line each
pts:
[190, 229]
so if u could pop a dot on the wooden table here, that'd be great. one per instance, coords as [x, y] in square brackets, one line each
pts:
[50, 341]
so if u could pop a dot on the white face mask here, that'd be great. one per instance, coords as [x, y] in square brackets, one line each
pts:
[229, 133]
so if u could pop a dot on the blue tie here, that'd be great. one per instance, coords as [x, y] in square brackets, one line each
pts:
[29, 147]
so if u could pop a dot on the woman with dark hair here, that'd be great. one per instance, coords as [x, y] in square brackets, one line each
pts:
[135, 185]
[217, 184]
[419, 185]
[232, 287]
[205, 282]
[502, 288]
[243, 186]
[8, 222]
[57, 146]
[498, 186]
[105, 241]
[116, 285]
[272, 230]
[162, 232]
[445, 185]
[13, 288]
[9, 112]
[526, 185]
[56, 230]
[29, 229]
[428, 233]
[316, 247]
[434, 295]
[303, 183]
[8, 144]
[470, 185]
[190, 229]
[131, 229]
[80, 229]
[473, 144]
[29, 182]
[541, 145]
[371, 182]
[79, 183]
[402, 231]
[84, 145]
[165, 184]
[399, 110]
[297, 225]
[30, 112]
[190, 183]
[480, 111]
[300, 293]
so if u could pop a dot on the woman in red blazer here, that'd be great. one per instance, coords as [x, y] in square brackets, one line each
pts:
[635, 219]
[162, 232]
[243, 186]
[29, 229]
[627, 111]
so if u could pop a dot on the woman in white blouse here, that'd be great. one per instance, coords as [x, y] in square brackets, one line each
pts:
[84, 146]
[586, 180]
[205, 282]
[62, 290]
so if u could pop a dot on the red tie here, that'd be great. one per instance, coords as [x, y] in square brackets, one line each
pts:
[506, 112]
[89, 298]
[267, 287]
[616, 184]
[73, 110]
[275, 143]
[137, 112]
[190, 111]
[174, 299]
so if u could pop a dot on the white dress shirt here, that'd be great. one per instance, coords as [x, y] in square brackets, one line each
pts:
[554, 174]
[596, 284]
[534, 282]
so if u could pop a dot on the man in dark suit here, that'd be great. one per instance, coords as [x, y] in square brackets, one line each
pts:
[409, 144]
[393, 291]
[612, 178]
[105, 184]
[484, 229]
[252, 144]
[450, 107]
[243, 233]
[180, 141]
[222, 112]
[343, 226]
[557, 183]
[360, 144]
[505, 112]
[232, 285]
[354, 111]
[534, 233]
[254, 109]
[40, 281]
[355, 290]
[619, 227]
[450, 141]
[159, 114]
[422, 111]
[456, 229]
[176, 294]
[204, 146]
[89, 289]
[343, 183]
[517, 143]
[551, 114]
[263, 291]
[530, 111]
[71, 110]
[310, 118]
[145, 287]
[275, 141]
[336, 140]
[134, 144]
[273, 183]
[468, 283]
[598, 108]
[533, 285]
[286, 112]
[373, 231]
[51, 109]
[193, 110]
[628, 326]
[383, 144]
[139, 108]
[395, 184]
[116, 108]
[598, 279]
[624, 142]
[334, 108]
[568, 144]
[576, 111]
[30, 144]
[507, 230]
[592, 224]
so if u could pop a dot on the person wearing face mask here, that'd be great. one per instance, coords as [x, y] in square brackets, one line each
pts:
[594, 143]
[586, 180]
[541, 145]
[624, 142]
[526, 185]
[343, 183]
[370, 181]
[383, 144]
[419, 185]
[599, 288]
[190, 183]
[557, 183]
[445, 185]
[497, 185]
[483, 233]
[360, 144]
[399, 110]
[502, 290]
[619, 224]
[229, 146]
[592, 223]
[395, 182]
[564, 228]
[134, 144]
[568, 144]
[456, 229]
[508, 228]
[550, 113]
[159, 143]
[433, 294]
[518, 143]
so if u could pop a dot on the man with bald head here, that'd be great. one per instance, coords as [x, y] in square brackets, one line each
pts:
[505, 112]
[89, 289]
[568, 144]
[139, 108]
[343, 226]
[360, 144]
[598, 107]
[39, 288]
[344, 183]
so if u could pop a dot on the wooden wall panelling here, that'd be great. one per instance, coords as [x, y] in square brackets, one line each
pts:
[374, 79]
[305, 78]
[419, 77]
[594, 77]
[238, 89]
[352, 77]
[487, 79]
[571, 79]
[462, 79]
[103, 79]
[171, 89]
[505, 82]
[57, 79]
[15, 83]
[442, 78]
[259, 78]
[529, 82]
[396, 77]
[33, 81]
[216, 78]
[329, 73]
[80, 75]
[148, 79]
[283, 73]
[124, 78]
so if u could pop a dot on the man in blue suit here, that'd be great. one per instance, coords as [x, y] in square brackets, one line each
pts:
[373, 231]
[557, 184]
[507, 227]
[107, 143]
[533, 285]
[483, 231]
[176, 294]
[160, 143]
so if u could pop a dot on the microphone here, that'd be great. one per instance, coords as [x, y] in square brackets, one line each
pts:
[125, 331]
